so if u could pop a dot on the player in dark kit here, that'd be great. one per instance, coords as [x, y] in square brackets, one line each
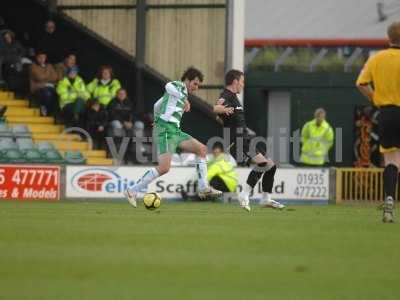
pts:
[230, 110]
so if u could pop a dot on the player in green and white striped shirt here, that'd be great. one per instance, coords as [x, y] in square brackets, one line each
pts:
[168, 112]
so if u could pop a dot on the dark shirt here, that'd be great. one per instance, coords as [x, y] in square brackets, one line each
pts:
[95, 119]
[120, 110]
[235, 122]
[12, 53]
[51, 44]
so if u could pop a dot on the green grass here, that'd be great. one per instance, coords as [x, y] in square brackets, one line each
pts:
[196, 251]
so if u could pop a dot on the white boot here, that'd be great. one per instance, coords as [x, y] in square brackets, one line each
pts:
[244, 197]
[244, 201]
[131, 197]
[209, 192]
[268, 202]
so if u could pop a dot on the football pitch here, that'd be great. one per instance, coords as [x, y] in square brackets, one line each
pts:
[196, 251]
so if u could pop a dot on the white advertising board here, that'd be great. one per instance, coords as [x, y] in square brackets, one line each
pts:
[291, 184]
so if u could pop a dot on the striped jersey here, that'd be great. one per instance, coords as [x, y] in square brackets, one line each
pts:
[170, 106]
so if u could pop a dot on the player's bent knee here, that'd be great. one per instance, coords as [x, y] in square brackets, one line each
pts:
[202, 151]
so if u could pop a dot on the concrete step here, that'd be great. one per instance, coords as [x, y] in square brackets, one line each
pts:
[14, 103]
[30, 120]
[44, 136]
[69, 145]
[99, 162]
[19, 111]
[6, 95]
[94, 154]
[42, 128]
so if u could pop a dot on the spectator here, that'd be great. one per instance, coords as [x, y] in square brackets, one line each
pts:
[51, 43]
[120, 111]
[12, 49]
[221, 171]
[62, 67]
[2, 29]
[105, 86]
[317, 139]
[12, 68]
[42, 78]
[72, 97]
[96, 122]
[2, 26]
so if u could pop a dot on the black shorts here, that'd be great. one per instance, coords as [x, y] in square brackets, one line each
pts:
[244, 148]
[217, 183]
[389, 128]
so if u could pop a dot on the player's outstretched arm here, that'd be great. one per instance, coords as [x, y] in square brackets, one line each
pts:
[221, 109]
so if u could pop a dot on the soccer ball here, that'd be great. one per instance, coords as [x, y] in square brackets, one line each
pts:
[152, 201]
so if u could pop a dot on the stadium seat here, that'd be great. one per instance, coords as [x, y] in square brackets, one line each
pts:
[74, 158]
[45, 146]
[25, 144]
[21, 130]
[10, 151]
[34, 156]
[5, 131]
[30, 153]
[52, 156]
[13, 156]
[49, 153]
[7, 144]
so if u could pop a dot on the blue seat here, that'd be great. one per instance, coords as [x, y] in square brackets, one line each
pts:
[25, 144]
[74, 158]
[21, 130]
[5, 131]
[13, 156]
[45, 146]
[34, 156]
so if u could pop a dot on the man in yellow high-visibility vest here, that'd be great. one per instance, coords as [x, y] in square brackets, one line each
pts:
[221, 171]
[317, 138]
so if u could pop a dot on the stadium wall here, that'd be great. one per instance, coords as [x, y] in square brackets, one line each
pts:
[178, 34]
[114, 20]
[335, 92]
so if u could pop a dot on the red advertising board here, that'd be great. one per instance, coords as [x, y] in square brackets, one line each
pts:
[25, 182]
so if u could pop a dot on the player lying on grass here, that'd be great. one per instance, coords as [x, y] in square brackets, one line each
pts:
[231, 112]
[168, 136]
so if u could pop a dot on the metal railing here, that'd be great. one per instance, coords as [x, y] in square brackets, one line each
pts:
[359, 184]
[307, 59]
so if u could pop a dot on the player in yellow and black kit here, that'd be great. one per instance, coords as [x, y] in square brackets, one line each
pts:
[379, 81]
